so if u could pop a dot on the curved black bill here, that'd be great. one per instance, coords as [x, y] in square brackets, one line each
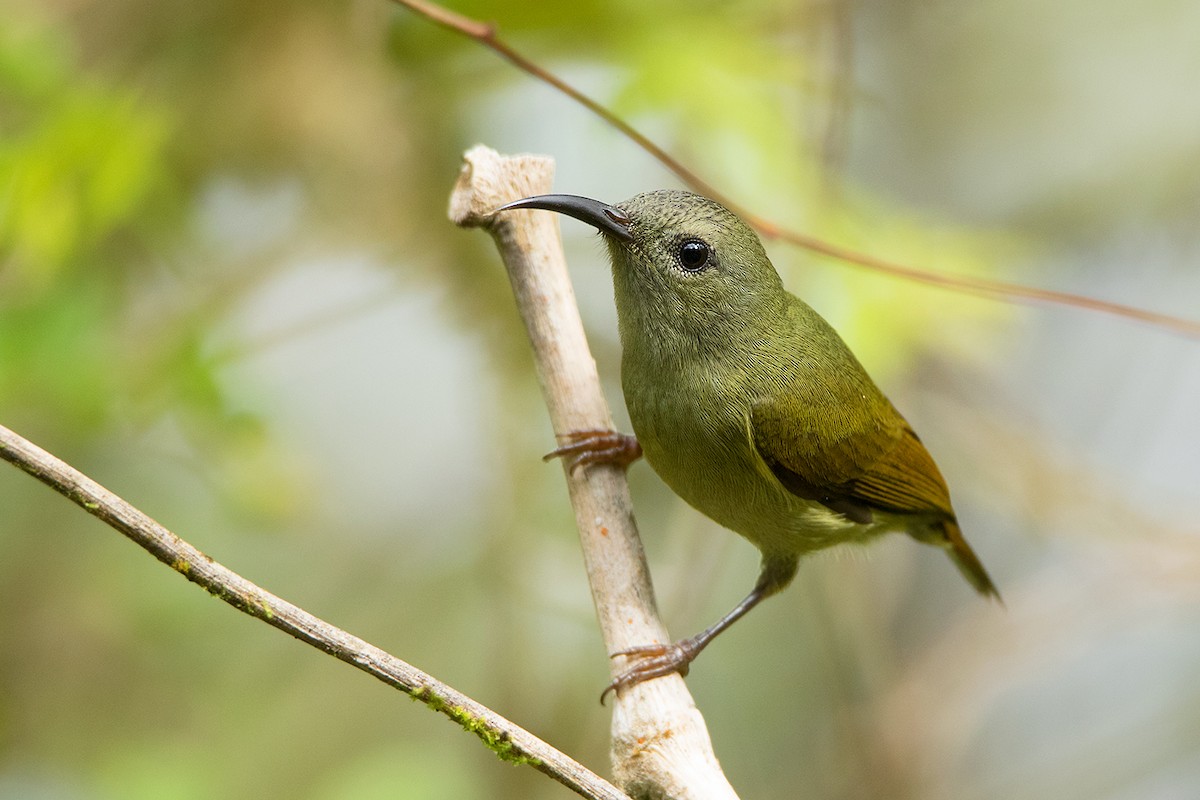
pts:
[607, 219]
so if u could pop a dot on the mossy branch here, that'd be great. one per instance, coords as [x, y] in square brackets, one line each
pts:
[508, 740]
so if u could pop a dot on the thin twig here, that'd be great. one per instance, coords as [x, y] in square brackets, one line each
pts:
[486, 34]
[660, 745]
[509, 741]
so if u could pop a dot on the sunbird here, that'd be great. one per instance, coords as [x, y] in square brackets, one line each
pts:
[748, 404]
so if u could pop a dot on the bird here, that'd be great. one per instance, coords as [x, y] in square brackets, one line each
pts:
[748, 405]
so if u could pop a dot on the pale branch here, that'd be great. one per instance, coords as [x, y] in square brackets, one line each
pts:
[660, 744]
[486, 35]
[509, 741]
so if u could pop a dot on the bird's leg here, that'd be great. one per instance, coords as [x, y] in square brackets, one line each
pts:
[656, 660]
[597, 447]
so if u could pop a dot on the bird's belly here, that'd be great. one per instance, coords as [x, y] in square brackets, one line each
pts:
[708, 460]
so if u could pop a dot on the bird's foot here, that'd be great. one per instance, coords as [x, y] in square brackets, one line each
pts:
[654, 661]
[597, 447]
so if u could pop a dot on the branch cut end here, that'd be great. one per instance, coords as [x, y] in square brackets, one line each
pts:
[488, 180]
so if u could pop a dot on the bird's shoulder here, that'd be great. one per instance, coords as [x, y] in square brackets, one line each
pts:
[829, 434]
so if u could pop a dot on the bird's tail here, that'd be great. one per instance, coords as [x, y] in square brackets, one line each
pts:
[968, 563]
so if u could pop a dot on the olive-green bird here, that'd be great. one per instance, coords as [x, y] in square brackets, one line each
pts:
[749, 405]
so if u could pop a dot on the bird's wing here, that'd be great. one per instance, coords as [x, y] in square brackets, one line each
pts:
[876, 464]
[864, 472]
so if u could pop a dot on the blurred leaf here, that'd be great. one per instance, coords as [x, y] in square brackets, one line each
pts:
[56, 357]
[78, 158]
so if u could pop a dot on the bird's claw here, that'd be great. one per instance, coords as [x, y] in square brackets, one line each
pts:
[597, 447]
[652, 661]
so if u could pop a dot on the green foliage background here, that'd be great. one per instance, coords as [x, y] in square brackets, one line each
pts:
[229, 292]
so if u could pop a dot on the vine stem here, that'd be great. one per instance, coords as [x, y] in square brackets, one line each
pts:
[487, 35]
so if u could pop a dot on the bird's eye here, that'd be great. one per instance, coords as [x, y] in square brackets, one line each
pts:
[693, 255]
